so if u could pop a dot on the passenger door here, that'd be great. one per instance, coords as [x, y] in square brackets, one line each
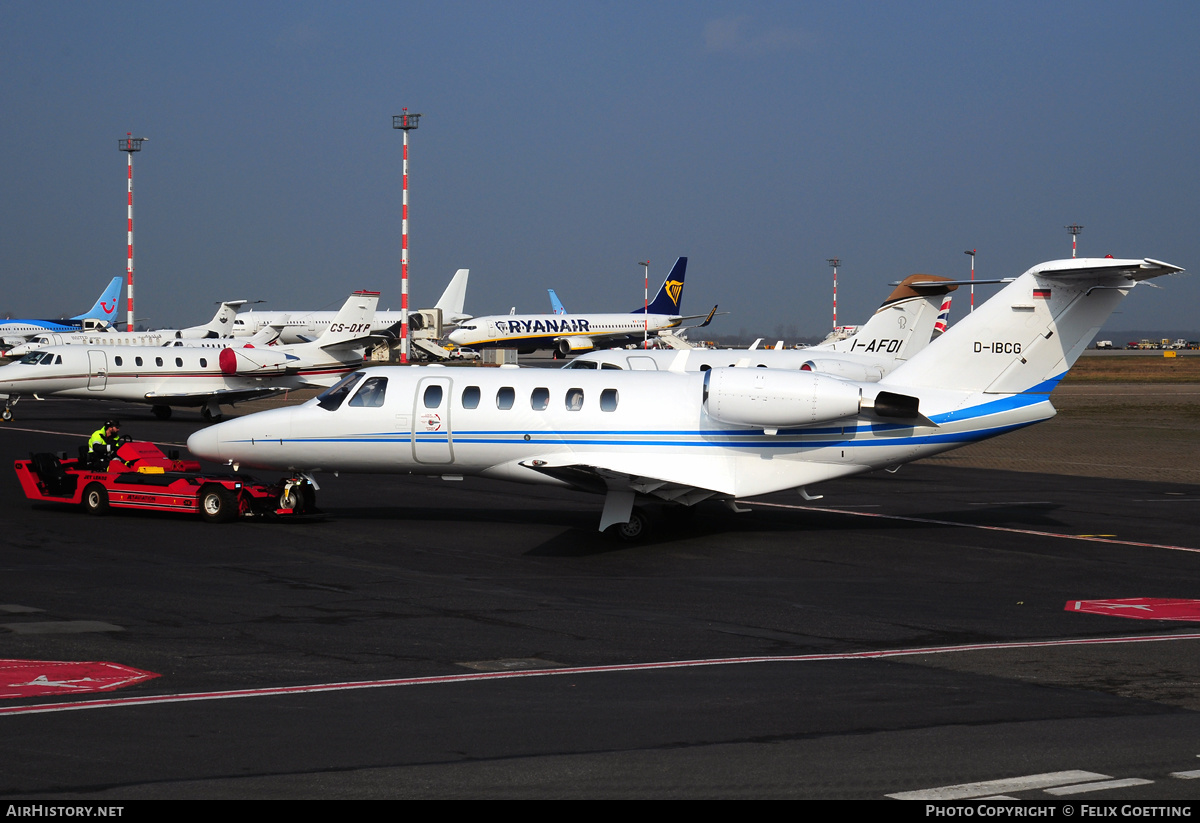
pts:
[431, 434]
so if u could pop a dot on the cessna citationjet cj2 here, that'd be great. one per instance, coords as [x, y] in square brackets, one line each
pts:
[166, 376]
[725, 434]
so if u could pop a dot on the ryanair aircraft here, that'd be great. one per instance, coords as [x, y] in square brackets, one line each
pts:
[574, 333]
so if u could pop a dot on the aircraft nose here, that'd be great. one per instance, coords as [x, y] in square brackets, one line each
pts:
[456, 337]
[206, 443]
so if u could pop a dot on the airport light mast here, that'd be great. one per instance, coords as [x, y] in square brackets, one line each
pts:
[404, 122]
[130, 144]
[834, 261]
[1074, 229]
[972, 253]
[646, 317]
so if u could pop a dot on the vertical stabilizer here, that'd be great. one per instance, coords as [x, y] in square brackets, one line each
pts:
[670, 295]
[1028, 335]
[353, 322]
[454, 297]
[105, 308]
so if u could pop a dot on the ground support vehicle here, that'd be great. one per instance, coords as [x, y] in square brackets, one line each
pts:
[142, 477]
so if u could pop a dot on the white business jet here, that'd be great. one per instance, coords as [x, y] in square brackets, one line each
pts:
[724, 434]
[192, 376]
[305, 326]
[900, 328]
[220, 326]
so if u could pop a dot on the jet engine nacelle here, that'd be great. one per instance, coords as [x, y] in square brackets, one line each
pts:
[249, 360]
[570, 345]
[846, 369]
[777, 398]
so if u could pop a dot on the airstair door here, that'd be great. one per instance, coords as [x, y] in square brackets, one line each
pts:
[432, 439]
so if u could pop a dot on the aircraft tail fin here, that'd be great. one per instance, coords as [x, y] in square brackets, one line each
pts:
[454, 297]
[353, 321]
[221, 324]
[904, 324]
[943, 318]
[1025, 338]
[670, 295]
[106, 307]
[555, 303]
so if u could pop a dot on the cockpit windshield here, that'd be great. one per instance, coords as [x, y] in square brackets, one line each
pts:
[332, 399]
[35, 357]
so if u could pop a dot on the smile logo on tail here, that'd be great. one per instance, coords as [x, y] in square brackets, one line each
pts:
[107, 308]
[674, 289]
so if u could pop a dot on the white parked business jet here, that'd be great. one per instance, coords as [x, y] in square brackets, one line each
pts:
[104, 310]
[191, 375]
[572, 333]
[900, 328]
[305, 326]
[724, 434]
[220, 326]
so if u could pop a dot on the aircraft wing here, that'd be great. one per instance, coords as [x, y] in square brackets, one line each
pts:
[707, 318]
[221, 396]
[668, 478]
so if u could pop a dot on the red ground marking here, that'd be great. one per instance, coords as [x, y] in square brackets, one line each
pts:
[1140, 608]
[39, 678]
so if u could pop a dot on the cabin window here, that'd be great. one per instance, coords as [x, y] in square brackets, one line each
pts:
[373, 390]
[539, 399]
[179, 362]
[203, 362]
[470, 397]
[137, 361]
[761, 366]
[433, 397]
[158, 361]
[574, 399]
[332, 399]
[608, 400]
[506, 397]
[117, 360]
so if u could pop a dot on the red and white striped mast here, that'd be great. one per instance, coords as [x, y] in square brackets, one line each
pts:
[1074, 229]
[834, 261]
[404, 122]
[130, 144]
[646, 330]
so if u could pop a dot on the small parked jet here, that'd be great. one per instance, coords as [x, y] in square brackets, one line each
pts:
[16, 332]
[899, 329]
[192, 375]
[306, 326]
[220, 326]
[724, 434]
[572, 333]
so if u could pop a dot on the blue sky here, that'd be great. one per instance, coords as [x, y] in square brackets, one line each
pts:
[563, 142]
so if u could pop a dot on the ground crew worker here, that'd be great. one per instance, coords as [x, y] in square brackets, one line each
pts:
[102, 445]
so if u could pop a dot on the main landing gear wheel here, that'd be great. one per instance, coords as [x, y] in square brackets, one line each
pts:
[162, 412]
[6, 414]
[635, 531]
[95, 499]
[218, 505]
